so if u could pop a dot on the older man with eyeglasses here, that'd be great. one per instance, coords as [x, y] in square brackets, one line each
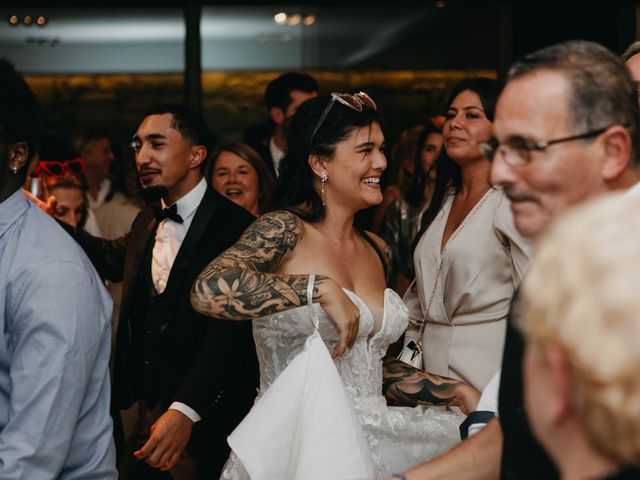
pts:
[566, 130]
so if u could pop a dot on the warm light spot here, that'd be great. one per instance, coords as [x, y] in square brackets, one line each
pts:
[441, 4]
[295, 19]
[13, 19]
[27, 20]
[309, 20]
[42, 21]
[280, 18]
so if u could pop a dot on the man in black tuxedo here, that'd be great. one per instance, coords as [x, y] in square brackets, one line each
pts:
[194, 378]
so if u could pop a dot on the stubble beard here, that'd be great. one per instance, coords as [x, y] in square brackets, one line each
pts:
[153, 193]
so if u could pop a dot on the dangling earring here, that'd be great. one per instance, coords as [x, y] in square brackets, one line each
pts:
[323, 178]
[14, 169]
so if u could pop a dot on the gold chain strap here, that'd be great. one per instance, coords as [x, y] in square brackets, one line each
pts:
[435, 284]
[426, 314]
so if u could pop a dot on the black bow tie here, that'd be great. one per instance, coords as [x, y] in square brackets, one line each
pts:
[170, 212]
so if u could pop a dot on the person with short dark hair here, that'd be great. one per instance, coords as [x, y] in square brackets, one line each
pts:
[109, 200]
[193, 380]
[54, 327]
[282, 98]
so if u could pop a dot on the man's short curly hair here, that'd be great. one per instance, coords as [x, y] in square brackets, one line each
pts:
[20, 110]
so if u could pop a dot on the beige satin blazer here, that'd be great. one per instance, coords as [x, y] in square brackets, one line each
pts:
[482, 264]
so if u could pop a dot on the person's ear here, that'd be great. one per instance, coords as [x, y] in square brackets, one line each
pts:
[616, 145]
[198, 155]
[18, 154]
[561, 398]
[318, 165]
[277, 116]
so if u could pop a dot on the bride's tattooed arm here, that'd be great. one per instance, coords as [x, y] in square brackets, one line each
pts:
[239, 284]
[408, 386]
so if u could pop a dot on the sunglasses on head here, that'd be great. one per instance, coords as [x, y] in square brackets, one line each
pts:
[75, 166]
[356, 102]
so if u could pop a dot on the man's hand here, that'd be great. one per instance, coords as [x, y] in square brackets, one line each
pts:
[169, 437]
[49, 206]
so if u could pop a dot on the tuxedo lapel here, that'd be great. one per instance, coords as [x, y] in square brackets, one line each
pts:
[184, 258]
[142, 236]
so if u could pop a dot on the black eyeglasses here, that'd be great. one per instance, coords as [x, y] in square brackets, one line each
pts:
[517, 151]
[356, 102]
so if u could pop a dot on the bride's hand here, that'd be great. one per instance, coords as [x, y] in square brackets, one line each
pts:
[342, 311]
[466, 397]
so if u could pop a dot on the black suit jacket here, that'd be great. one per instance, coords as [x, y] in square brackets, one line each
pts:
[522, 455]
[210, 365]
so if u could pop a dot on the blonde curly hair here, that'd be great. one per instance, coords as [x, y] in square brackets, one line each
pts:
[582, 293]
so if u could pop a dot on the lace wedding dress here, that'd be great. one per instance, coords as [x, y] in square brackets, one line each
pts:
[395, 437]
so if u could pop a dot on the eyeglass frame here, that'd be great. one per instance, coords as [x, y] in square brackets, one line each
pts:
[357, 106]
[490, 151]
[43, 166]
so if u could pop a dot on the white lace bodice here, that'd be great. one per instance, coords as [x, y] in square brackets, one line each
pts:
[397, 437]
[280, 337]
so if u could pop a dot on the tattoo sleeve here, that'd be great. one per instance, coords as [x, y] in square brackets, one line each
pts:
[405, 385]
[240, 283]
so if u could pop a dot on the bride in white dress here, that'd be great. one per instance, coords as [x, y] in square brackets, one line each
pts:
[332, 171]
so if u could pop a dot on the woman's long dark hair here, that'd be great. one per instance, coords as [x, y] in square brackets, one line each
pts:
[419, 179]
[296, 191]
[448, 173]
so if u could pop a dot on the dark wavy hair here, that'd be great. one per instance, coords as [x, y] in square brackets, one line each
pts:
[448, 173]
[415, 191]
[296, 191]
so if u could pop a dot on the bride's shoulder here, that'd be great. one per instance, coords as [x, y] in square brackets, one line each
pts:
[377, 239]
[279, 229]
[380, 245]
[277, 222]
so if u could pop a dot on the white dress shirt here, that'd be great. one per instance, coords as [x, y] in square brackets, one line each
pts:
[276, 155]
[169, 237]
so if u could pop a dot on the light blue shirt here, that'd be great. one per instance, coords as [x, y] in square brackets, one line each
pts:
[54, 353]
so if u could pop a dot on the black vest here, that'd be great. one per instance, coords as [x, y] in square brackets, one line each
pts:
[156, 311]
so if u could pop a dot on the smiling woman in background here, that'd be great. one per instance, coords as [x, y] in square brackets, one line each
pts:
[240, 174]
[468, 258]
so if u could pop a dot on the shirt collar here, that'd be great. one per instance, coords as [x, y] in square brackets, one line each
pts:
[634, 191]
[11, 209]
[189, 203]
[105, 187]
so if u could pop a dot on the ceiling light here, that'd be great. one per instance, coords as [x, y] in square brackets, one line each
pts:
[295, 19]
[27, 20]
[42, 21]
[14, 20]
[280, 18]
[441, 4]
[309, 20]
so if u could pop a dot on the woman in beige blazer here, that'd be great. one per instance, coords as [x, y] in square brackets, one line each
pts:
[468, 258]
